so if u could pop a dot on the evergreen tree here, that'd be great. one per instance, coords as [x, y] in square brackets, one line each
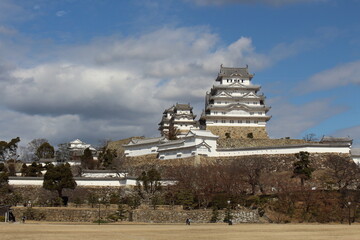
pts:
[107, 157]
[34, 170]
[302, 167]
[215, 215]
[8, 150]
[45, 150]
[87, 159]
[59, 177]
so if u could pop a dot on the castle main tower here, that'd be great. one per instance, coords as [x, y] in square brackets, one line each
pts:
[233, 107]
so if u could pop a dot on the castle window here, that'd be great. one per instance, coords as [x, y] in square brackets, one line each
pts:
[256, 121]
[255, 103]
[216, 121]
[231, 121]
[251, 113]
[260, 113]
[223, 121]
[247, 121]
[239, 121]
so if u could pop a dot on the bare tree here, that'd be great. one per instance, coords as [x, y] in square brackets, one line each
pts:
[311, 137]
[343, 172]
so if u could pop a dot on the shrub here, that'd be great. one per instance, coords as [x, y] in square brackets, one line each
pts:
[2, 218]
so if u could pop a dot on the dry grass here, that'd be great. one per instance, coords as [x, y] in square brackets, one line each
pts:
[35, 231]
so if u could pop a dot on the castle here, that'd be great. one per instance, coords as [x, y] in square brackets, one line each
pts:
[233, 107]
[233, 123]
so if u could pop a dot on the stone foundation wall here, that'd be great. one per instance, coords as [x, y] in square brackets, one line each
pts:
[244, 143]
[238, 132]
[57, 214]
[196, 216]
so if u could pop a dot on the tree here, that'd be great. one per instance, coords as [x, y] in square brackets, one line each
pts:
[302, 167]
[87, 159]
[107, 157]
[58, 178]
[34, 170]
[311, 137]
[29, 152]
[150, 181]
[24, 170]
[343, 172]
[45, 150]
[63, 153]
[8, 150]
[150, 186]
[3, 168]
[5, 188]
[12, 169]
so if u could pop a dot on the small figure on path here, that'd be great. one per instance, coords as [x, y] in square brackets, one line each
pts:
[187, 221]
[230, 222]
[23, 219]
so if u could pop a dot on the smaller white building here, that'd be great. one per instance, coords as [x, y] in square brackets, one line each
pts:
[196, 142]
[145, 146]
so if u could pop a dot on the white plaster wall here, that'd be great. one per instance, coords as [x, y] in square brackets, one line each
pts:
[140, 150]
[102, 175]
[79, 182]
[293, 150]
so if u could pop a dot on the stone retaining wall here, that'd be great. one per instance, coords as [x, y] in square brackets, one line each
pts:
[62, 214]
[196, 216]
[238, 132]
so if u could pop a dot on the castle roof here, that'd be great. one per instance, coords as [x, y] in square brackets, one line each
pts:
[183, 106]
[233, 72]
[145, 141]
[334, 140]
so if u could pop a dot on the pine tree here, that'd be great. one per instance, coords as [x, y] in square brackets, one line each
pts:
[59, 177]
[302, 167]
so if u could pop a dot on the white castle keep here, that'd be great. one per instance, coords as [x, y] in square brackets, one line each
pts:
[234, 108]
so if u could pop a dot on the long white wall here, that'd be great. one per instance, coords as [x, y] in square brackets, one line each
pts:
[83, 182]
[109, 182]
[284, 150]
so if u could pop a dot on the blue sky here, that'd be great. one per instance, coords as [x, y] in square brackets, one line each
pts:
[106, 69]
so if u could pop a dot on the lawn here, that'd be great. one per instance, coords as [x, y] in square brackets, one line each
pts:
[55, 231]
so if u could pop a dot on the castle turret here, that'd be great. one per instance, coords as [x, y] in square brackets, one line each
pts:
[234, 108]
[179, 117]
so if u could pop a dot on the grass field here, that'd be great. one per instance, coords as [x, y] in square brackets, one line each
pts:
[48, 231]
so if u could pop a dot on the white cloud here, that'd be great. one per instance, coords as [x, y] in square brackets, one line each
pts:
[269, 2]
[119, 86]
[290, 120]
[61, 13]
[338, 76]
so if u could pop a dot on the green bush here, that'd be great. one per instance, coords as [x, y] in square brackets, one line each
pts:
[2, 218]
